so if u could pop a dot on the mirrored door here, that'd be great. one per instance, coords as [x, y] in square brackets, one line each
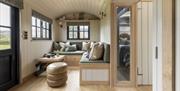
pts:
[125, 64]
[124, 43]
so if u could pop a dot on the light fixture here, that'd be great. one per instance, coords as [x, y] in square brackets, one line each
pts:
[61, 21]
[102, 14]
[61, 24]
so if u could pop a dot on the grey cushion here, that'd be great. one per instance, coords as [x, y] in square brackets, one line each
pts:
[106, 56]
[70, 48]
[78, 45]
[69, 53]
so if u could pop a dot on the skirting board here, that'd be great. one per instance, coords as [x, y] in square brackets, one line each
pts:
[94, 83]
[25, 79]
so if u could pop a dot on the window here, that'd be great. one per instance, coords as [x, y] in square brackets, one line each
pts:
[41, 28]
[5, 27]
[78, 31]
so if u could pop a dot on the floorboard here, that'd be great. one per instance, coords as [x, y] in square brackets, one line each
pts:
[39, 84]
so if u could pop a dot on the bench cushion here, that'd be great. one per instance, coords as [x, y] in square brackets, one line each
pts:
[69, 53]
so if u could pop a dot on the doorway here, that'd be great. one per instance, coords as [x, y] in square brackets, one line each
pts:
[130, 45]
[9, 46]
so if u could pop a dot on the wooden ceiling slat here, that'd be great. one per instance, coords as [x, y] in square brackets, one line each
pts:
[57, 8]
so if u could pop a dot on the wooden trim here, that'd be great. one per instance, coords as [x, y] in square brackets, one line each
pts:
[72, 60]
[167, 45]
[146, 0]
[113, 54]
[95, 65]
[94, 83]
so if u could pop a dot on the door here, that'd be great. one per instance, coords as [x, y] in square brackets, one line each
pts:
[144, 43]
[9, 74]
[157, 45]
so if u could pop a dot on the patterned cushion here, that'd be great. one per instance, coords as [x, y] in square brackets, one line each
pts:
[56, 46]
[70, 48]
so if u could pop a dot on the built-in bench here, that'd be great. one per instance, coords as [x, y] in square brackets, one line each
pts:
[72, 58]
[91, 71]
[95, 71]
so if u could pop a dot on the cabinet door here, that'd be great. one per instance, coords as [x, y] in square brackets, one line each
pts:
[144, 31]
[95, 75]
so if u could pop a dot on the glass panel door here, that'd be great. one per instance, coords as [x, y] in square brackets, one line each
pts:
[5, 27]
[9, 46]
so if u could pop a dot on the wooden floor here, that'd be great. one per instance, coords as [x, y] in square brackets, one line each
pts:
[39, 84]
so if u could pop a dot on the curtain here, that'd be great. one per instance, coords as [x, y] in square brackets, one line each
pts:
[15, 3]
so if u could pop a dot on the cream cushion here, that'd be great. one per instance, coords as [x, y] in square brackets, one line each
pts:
[96, 51]
[86, 46]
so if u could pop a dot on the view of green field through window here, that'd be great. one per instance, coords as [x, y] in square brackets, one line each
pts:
[5, 27]
[4, 38]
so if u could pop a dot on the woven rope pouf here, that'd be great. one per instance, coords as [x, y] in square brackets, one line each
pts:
[57, 74]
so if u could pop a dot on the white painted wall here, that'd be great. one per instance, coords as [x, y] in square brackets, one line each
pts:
[144, 35]
[29, 49]
[105, 26]
[94, 30]
[177, 45]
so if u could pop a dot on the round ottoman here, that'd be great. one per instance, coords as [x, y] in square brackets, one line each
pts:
[57, 74]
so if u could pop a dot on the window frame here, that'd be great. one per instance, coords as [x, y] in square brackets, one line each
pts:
[48, 27]
[78, 24]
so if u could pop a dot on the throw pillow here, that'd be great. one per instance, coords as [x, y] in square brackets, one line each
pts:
[96, 51]
[63, 46]
[70, 48]
[86, 46]
[63, 49]
[91, 46]
[56, 46]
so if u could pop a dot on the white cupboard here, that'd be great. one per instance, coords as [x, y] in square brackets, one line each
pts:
[144, 43]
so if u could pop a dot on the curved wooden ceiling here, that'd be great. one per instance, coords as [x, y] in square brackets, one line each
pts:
[57, 8]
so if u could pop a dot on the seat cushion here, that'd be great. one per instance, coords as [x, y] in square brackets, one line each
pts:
[56, 68]
[69, 53]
